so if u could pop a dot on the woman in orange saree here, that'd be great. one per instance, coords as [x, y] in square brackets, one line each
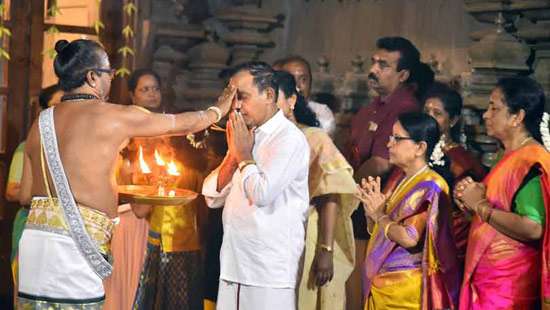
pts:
[507, 259]
[411, 257]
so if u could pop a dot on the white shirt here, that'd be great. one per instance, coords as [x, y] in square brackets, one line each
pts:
[265, 209]
[324, 116]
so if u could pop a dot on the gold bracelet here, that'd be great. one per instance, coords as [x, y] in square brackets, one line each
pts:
[483, 212]
[325, 247]
[489, 215]
[245, 163]
[479, 202]
[387, 228]
[368, 231]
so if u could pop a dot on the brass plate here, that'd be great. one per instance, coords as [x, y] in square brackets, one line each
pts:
[147, 194]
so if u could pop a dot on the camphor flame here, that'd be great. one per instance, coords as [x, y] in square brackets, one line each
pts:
[142, 164]
[158, 159]
[172, 168]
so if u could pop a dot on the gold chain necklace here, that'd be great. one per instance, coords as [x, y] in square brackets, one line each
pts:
[525, 141]
[405, 182]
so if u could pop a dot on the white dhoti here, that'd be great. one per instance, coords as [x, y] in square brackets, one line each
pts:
[53, 274]
[235, 296]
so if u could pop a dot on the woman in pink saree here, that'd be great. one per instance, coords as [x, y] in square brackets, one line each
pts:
[507, 259]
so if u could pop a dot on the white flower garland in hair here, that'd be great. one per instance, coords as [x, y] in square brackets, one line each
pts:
[545, 133]
[437, 154]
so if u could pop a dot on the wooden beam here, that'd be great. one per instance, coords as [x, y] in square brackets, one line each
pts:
[111, 15]
[18, 72]
[19, 68]
[69, 28]
[36, 57]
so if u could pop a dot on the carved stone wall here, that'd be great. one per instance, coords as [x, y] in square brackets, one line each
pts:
[339, 37]
[340, 30]
[515, 41]
[474, 41]
[190, 42]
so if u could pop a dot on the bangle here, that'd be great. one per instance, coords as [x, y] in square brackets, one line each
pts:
[489, 215]
[217, 111]
[368, 231]
[387, 228]
[484, 213]
[245, 163]
[479, 202]
[381, 217]
[325, 247]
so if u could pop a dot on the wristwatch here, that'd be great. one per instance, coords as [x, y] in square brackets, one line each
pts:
[245, 163]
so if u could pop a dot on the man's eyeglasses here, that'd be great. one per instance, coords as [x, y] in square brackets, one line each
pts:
[395, 139]
[111, 72]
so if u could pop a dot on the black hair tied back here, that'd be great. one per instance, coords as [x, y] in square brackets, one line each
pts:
[75, 59]
[61, 45]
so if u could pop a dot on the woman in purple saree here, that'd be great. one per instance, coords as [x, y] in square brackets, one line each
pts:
[411, 257]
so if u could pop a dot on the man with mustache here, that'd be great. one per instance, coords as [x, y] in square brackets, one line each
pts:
[391, 76]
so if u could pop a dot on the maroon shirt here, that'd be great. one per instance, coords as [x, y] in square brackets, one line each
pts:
[372, 126]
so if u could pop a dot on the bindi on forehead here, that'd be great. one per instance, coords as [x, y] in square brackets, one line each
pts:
[434, 104]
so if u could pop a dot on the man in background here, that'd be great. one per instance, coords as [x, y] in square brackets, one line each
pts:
[301, 70]
[392, 76]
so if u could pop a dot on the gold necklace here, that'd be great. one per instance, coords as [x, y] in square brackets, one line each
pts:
[405, 182]
[525, 141]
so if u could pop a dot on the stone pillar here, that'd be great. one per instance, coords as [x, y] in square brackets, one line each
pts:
[542, 67]
[246, 31]
[352, 92]
[199, 86]
[538, 36]
[497, 54]
[323, 80]
[171, 35]
[165, 61]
